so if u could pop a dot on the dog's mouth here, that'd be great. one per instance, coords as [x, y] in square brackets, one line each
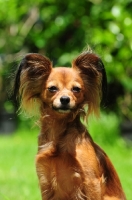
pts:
[62, 109]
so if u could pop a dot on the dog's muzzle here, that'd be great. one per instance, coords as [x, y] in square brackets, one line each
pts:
[64, 106]
[65, 100]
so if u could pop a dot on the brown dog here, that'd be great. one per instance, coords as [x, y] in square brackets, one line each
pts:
[70, 166]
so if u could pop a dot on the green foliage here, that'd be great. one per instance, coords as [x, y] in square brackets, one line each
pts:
[62, 29]
[105, 129]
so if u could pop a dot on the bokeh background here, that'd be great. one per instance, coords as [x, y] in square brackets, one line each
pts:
[61, 30]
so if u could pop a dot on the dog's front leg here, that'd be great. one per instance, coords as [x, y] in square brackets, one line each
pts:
[47, 192]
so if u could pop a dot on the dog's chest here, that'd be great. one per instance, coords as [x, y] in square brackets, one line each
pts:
[59, 177]
[66, 174]
[60, 170]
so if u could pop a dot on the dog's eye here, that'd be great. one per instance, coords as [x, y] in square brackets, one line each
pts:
[76, 89]
[53, 89]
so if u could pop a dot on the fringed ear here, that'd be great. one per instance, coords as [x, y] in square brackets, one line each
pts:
[92, 71]
[29, 80]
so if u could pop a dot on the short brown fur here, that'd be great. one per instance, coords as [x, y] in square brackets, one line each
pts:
[70, 166]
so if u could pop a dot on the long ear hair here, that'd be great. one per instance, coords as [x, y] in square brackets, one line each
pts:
[29, 80]
[92, 71]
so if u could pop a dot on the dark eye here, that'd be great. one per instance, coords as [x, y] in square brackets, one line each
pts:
[76, 89]
[53, 89]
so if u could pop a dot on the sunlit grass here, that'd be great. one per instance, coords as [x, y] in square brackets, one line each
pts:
[18, 179]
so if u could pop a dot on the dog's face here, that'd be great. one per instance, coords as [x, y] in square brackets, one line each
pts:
[64, 90]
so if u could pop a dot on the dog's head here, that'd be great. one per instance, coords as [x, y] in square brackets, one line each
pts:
[60, 90]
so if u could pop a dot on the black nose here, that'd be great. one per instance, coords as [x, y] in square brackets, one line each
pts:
[64, 100]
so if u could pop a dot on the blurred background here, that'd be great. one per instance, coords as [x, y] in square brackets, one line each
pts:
[61, 30]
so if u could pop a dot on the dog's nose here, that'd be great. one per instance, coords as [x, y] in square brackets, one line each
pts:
[64, 100]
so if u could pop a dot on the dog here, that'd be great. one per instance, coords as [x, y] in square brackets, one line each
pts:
[69, 164]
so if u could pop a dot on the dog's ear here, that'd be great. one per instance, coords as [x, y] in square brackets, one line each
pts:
[29, 80]
[92, 71]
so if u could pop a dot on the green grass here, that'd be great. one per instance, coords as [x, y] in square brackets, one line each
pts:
[18, 179]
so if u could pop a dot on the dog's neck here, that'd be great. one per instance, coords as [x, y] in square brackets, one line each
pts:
[61, 131]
